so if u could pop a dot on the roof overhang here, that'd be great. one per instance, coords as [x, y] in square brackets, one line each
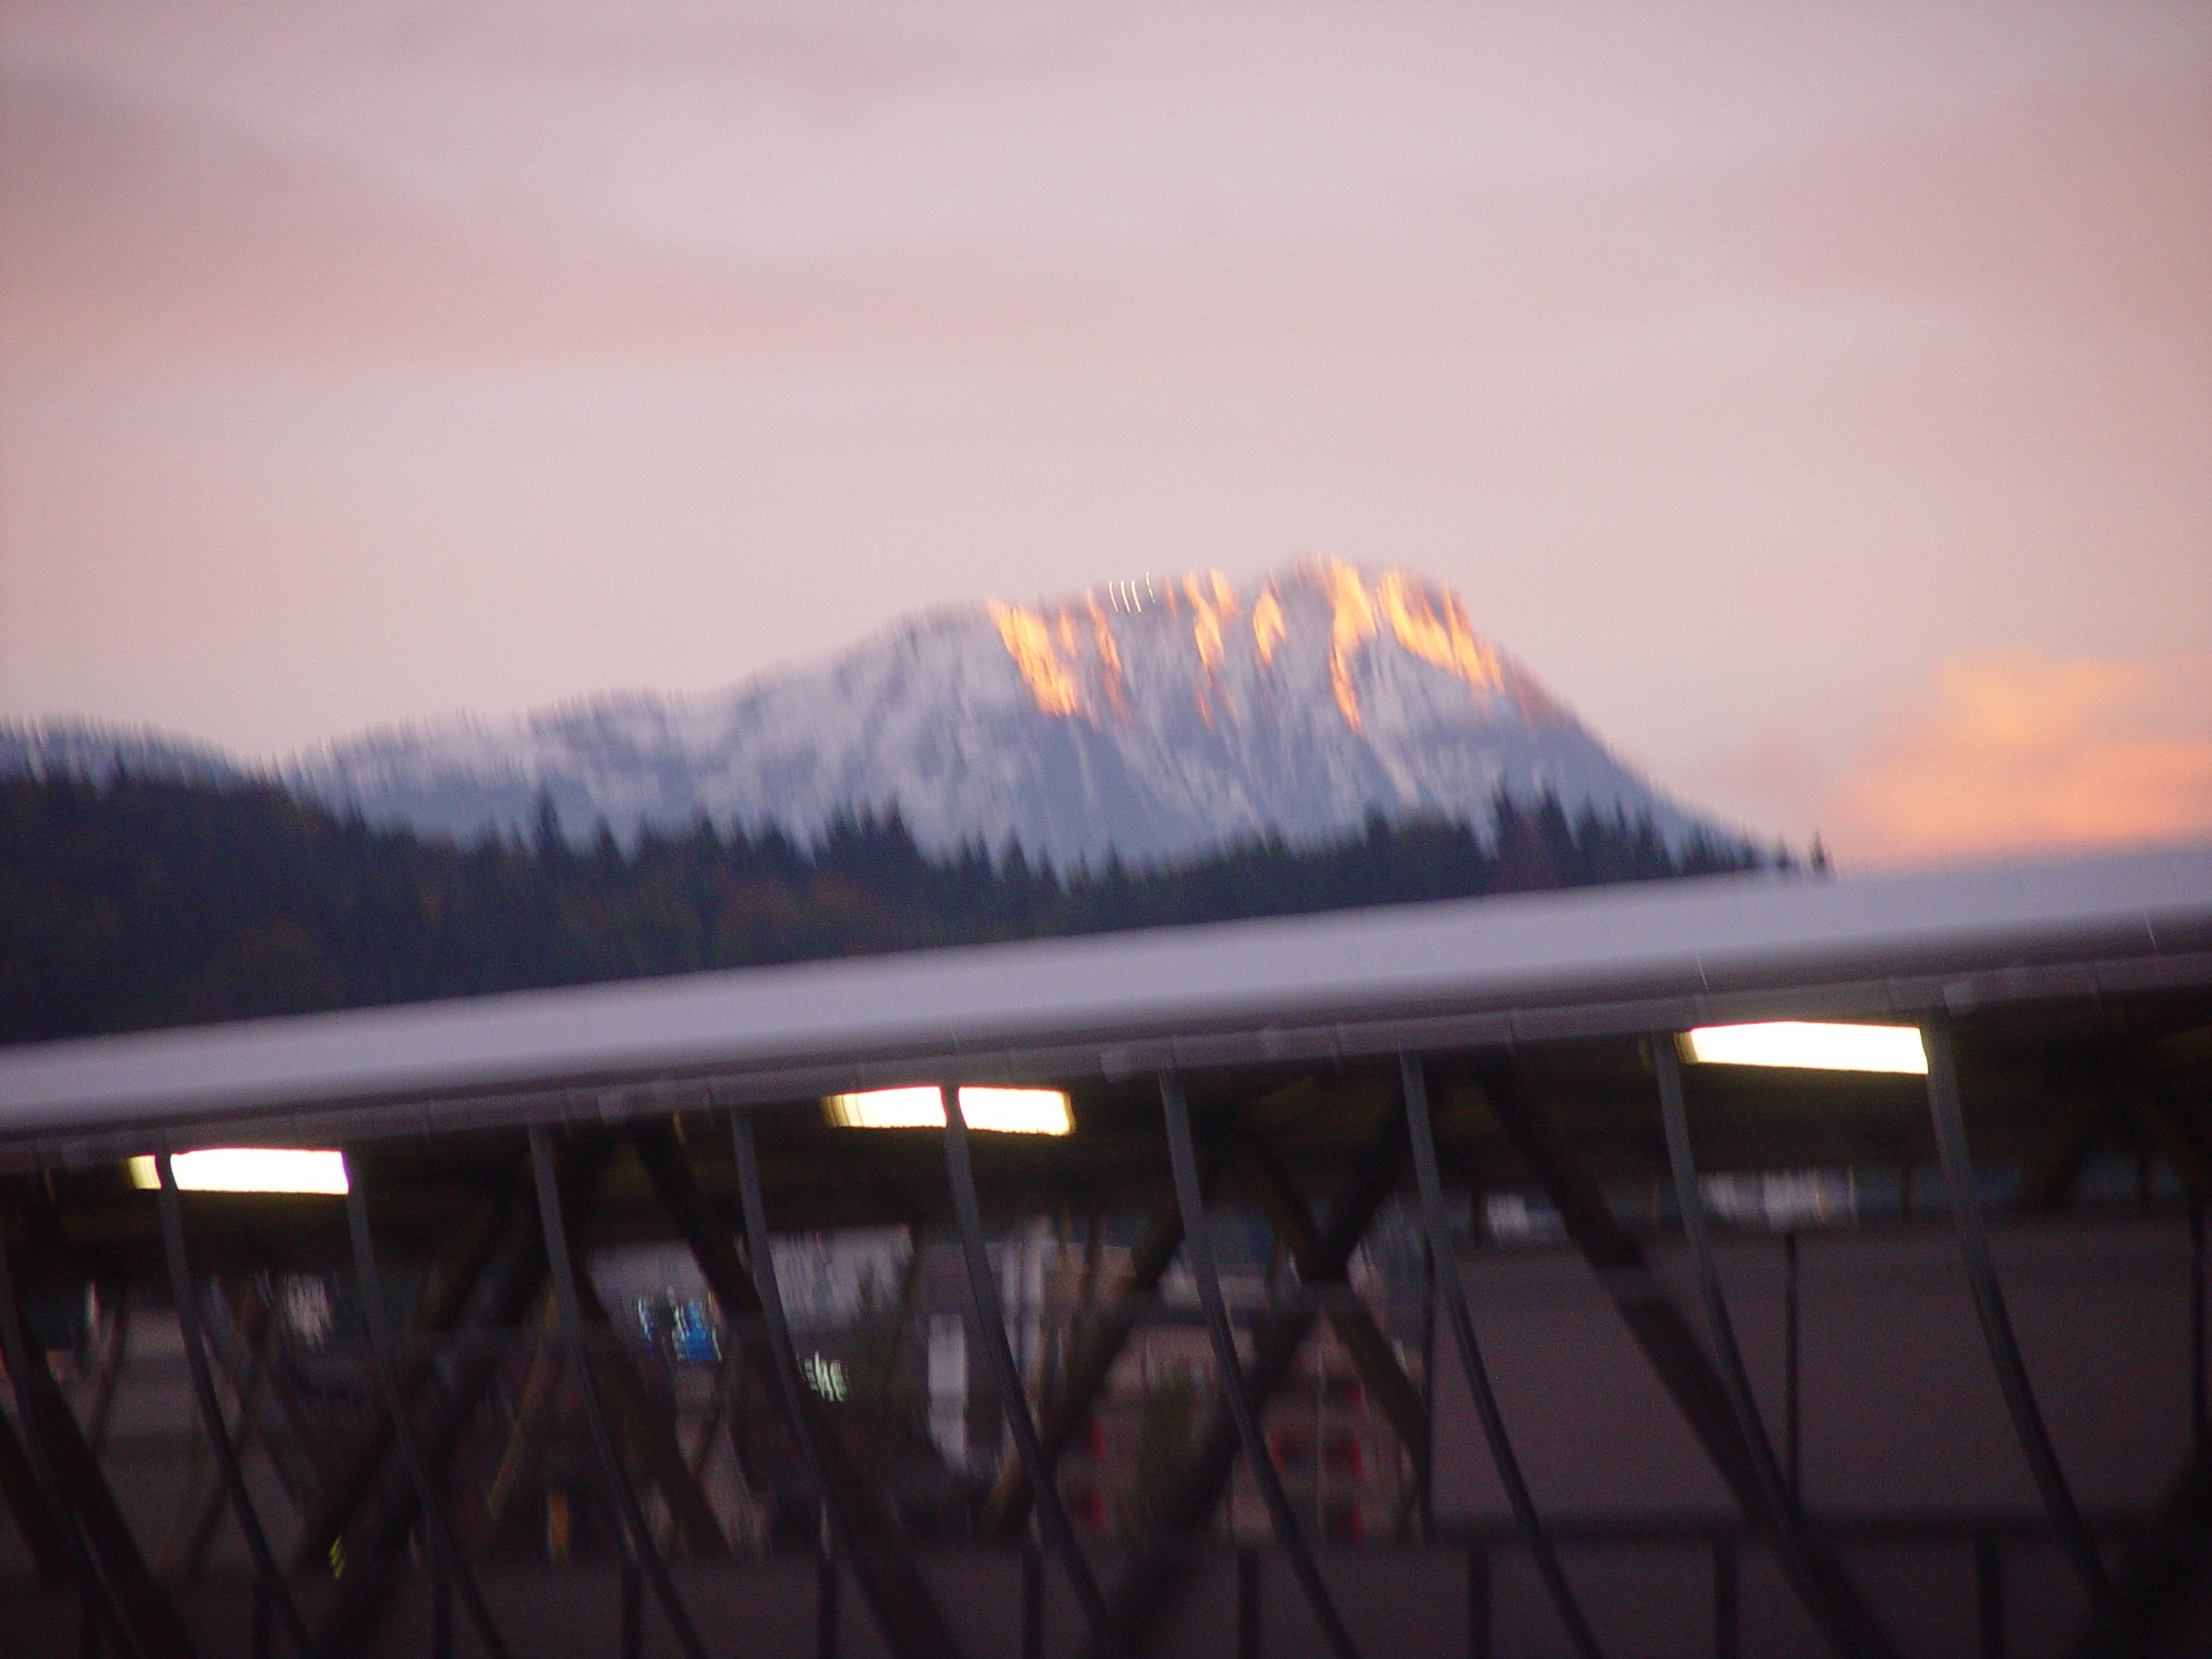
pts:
[1472, 973]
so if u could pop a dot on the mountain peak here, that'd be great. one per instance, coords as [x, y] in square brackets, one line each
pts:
[1213, 638]
[1149, 719]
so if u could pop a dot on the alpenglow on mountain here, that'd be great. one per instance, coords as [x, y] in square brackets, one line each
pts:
[1152, 719]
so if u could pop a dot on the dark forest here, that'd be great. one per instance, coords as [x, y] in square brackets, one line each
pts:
[136, 903]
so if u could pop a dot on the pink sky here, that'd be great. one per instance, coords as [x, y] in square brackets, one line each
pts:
[1818, 398]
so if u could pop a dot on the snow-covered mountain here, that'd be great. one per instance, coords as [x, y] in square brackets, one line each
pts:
[64, 748]
[1155, 717]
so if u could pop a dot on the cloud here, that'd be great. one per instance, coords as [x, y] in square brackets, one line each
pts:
[2019, 752]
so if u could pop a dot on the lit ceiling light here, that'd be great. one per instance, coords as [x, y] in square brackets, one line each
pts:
[1000, 1111]
[248, 1169]
[1017, 1111]
[1810, 1046]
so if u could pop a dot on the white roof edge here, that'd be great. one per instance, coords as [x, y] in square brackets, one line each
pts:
[951, 1000]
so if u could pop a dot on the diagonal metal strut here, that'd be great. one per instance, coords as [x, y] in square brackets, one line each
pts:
[1244, 1409]
[1160, 1569]
[187, 1295]
[2004, 1347]
[1657, 1323]
[1445, 1256]
[1833, 1602]
[636, 1536]
[905, 1609]
[1014, 1404]
[89, 1523]
[1369, 1350]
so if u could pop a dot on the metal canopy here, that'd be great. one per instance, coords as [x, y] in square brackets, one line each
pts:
[1522, 1042]
[1467, 973]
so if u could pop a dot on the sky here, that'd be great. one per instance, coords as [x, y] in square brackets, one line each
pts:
[1817, 398]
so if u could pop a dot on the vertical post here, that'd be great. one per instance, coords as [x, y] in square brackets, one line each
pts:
[1989, 1596]
[187, 1296]
[1426, 1474]
[1197, 1244]
[118, 1342]
[633, 1611]
[1480, 1639]
[1727, 1619]
[825, 1605]
[638, 1541]
[1247, 1604]
[450, 1568]
[1032, 1603]
[1014, 1404]
[1792, 1371]
[784, 1356]
[1444, 1259]
[2200, 1430]
[440, 1616]
[2004, 1346]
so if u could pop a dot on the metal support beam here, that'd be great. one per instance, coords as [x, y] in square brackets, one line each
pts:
[496, 1287]
[905, 1611]
[526, 1436]
[489, 1258]
[245, 1379]
[90, 1527]
[721, 1397]
[1160, 1567]
[1653, 1318]
[1014, 1404]
[118, 1344]
[2160, 1567]
[185, 1294]
[1243, 1408]
[27, 1507]
[1833, 1602]
[1444, 1255]
[1084, 1376]
[240, 1317]
[2004, 1347]
[436, 1528]
[1369, 1350]
[637, 1537]
[648, 1431]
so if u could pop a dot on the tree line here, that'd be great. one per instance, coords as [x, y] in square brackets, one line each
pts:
[131, 903]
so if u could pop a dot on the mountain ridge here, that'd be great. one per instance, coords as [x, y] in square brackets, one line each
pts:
[1147, 719]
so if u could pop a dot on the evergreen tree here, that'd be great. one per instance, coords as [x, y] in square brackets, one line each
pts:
[137, 903]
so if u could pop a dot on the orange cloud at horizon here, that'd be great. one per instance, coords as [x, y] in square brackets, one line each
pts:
[2018, 753]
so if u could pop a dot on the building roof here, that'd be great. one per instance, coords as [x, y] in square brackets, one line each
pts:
[1470, 972]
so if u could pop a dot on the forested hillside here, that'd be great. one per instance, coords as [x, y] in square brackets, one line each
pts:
[136, 903]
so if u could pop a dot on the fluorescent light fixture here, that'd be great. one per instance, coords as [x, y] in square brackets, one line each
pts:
[248, 1169]
[1812, 1047]
[1017, 1111]
[998, 1111]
